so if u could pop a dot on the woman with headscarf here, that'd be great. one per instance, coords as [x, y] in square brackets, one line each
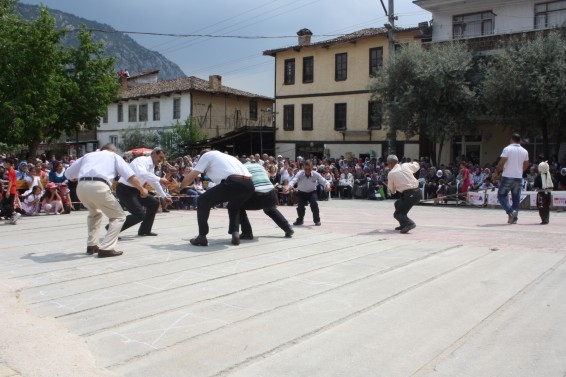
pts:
[543, 184]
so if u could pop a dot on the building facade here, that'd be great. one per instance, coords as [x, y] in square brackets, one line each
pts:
[323, 103]
[483, 25]
[159, 105]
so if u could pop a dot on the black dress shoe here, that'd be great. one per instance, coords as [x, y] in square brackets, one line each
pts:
[298, 222]
[246, 236]
[92, 250]
[236, 238]
[199, 241]
[407, 228]
[108, 253]
[399, 227]
[147, 234]
[289, 233]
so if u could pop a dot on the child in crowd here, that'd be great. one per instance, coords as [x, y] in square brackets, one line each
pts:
[286, 193]
[51, 201]
[441, 192]
[32, 204]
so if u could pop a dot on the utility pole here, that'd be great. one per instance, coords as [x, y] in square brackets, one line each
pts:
[390, 26]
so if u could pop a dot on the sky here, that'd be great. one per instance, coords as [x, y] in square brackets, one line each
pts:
[239, 59]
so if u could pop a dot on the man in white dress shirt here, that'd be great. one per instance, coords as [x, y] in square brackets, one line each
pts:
[143, 209]
[401, 179]
[95, 171]
[233, 184]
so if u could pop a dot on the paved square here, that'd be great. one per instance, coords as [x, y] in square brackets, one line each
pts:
[463, 294]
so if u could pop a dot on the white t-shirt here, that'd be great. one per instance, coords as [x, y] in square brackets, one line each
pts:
[515, 155]
[219, 166]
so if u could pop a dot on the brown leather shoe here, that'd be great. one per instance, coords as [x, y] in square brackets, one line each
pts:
[92, 249]
[108, 253]
[235, 238]
[199, 241]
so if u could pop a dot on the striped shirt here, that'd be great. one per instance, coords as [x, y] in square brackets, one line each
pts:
[259, 177]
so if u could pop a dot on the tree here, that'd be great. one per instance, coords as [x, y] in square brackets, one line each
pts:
[31, 80]
[137, 137]
[524, 86]
[90, 86]
[45, 90]
[427, 92]
[182, 137]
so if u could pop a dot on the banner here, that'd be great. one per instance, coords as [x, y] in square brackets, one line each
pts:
[559, 199]
[477, 198]
[492, 198]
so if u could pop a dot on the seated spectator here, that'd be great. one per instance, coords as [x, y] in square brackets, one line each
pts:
[31, 204]
[57, 174]
[441, 192]
[287, 193]
[65, 195]
[359, 190]
[23, 171]
[195, 190]
[477, 179]
[51, 201]
[346, 183]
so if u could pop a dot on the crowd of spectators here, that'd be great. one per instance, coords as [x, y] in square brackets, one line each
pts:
[47, 189]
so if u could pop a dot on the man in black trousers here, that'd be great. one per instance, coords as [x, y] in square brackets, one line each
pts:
[143, 209]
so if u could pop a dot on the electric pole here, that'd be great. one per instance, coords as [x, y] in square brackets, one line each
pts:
[390, 26]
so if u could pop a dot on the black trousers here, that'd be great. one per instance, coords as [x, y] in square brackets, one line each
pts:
[142, 210]
[235, 191]
[7, 209]
[404, 204]
[268, 203]
[302, 199]
[543, 204]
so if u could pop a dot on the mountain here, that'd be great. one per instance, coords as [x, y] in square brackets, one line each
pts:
[128, 53]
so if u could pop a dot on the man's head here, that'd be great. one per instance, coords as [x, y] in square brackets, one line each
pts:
[8, 162]
[392, 160]
[158, 156]
[516, 138]
[109, 147]
[307, 166]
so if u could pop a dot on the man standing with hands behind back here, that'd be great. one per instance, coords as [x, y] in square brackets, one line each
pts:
[513, 162]
[401, 179]
[95, 171]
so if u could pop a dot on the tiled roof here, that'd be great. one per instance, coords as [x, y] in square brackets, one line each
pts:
[360, 34]
[185, 84]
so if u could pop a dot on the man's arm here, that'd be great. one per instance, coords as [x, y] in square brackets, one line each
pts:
[526, 165]
[136, 183]
[189, 178]
[500, 165]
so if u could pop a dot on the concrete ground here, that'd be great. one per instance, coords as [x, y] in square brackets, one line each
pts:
[463, 294]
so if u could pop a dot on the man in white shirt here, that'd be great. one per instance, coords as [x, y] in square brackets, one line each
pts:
[513, 162]
[95, 171]
[233, 184]
[143, 209]
[401, 179]
[307, 181]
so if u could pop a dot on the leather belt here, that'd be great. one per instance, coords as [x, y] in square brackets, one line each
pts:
[236, 176]
[93, 179]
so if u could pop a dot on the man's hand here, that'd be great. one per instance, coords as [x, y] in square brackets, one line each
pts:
[168, 201]
[8, 195]
[164, 181]
[328, 188]
[144, 193]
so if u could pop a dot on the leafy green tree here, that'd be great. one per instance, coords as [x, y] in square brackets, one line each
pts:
[31, 81]
[90, 86]
[183, 136]
[46, 90]
[426, 92]
[525, 86]
[137, 137]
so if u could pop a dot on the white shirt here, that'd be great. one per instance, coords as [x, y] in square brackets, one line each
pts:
[401, 177]
[101, 164]
[308, 184]
[144, 168]
[219, 166]
[515, 155]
